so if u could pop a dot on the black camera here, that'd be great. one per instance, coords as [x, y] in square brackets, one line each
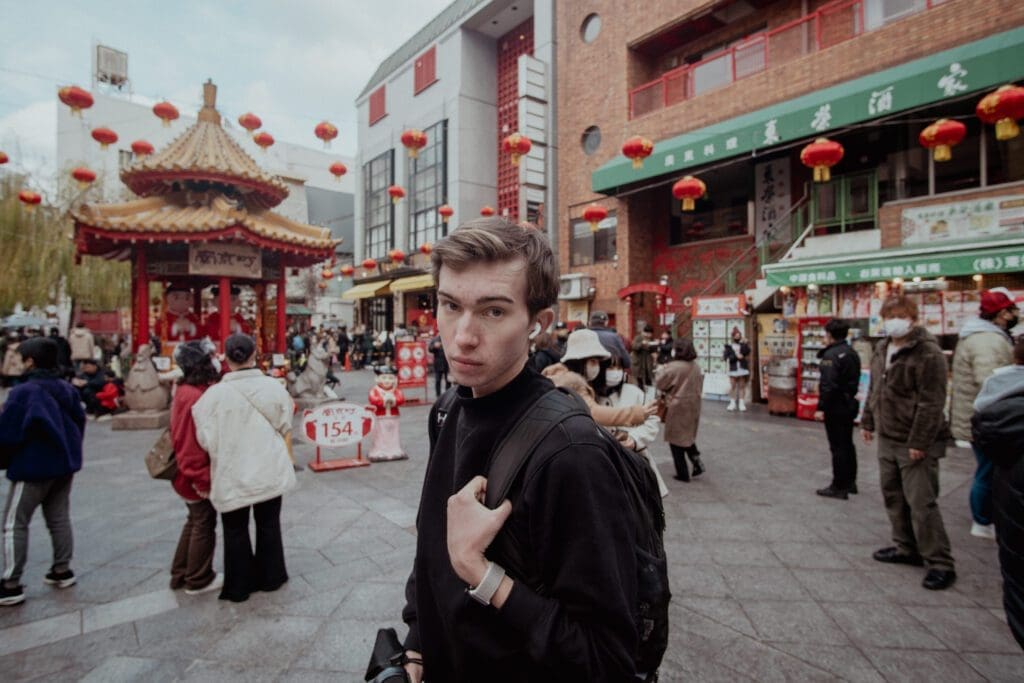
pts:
[388, 660]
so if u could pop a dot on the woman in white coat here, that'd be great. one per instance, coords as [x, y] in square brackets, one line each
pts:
[244, 423]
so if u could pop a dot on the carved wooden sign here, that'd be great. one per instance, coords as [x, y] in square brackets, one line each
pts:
[225, 260]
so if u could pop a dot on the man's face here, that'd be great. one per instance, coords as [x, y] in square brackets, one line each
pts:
[484, 323]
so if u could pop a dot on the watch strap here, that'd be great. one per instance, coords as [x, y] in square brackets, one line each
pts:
[489, 584]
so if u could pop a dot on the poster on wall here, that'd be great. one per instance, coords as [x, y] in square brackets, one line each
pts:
[411, 361]
[974, 219]
[714, 319]
[771, 197]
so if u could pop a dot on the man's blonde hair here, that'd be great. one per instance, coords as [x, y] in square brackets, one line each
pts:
[495, 239]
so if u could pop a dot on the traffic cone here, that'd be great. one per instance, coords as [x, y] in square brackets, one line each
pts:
[348, 364]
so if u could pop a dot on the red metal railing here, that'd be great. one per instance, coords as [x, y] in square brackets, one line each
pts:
[827, 26]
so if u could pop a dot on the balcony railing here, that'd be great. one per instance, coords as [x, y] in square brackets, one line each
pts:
[829, 25]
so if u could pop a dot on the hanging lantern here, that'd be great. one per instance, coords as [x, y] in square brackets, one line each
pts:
[1003, 107]
[369, 264]
[689, 190]
[30, 199]
[396, 192]
[4, 158]
[426, 248]
[821, 155]
[517, 145]
[397, 256]
[637, 148]
[142, 148]
[76, 98]
[941, 136]
[166, 112]
[414, 140]
[337, 170]
[84, 176]
[104, 136]
[487, 211]
[322, 285]
[326, 131]
[250, 121]
[263, 139]
[346, 270]
[446, 212]
[327, 273]
[594, 214]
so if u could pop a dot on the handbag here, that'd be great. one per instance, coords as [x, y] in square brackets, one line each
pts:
[160, 460]
[662, 408]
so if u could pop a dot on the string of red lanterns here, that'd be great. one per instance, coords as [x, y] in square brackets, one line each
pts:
[347, 270]
[250, 121]
[487, 211]
[84, 176]
[397, 256]
[446, 213]
[637, 148]
[76, 98]
[326, 131]
[822, 155]
[516, 145]
[426, 248]
[104, 136]
[166, 112]
[689, 189]
[941, 136]
[4, 158]
[594, 214]
[337, 170]
[369, 264]
[1002, 108]
[142, 148]
[30, 199]
[397, 192]
[263, 139]
[414, 140]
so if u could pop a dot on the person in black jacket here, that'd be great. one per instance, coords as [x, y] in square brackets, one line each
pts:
[838, 407]
[470, 619]
[545, 352]
[436, 348]
[997, 428]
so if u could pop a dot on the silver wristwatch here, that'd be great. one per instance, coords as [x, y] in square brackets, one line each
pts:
[488, 585]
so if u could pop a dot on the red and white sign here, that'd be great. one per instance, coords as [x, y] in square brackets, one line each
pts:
[337, 424]
[734, 306]
[411, 361]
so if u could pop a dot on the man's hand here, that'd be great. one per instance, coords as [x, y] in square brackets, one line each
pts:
[866, 435]
[415, 671]
[819, 415]
[471, 528]
[916, 455]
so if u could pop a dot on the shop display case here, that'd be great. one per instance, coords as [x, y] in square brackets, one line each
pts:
[810, 340]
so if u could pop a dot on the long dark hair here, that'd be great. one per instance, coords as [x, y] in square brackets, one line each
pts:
[682, 349]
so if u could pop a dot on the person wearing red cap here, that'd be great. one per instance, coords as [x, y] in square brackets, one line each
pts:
[984, 345]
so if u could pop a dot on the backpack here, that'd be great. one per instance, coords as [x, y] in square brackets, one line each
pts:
[645, 507]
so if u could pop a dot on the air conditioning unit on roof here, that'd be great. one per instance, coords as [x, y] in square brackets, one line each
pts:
[575, 286]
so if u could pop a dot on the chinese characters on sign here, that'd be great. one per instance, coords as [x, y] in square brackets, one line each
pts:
[952, 83]
[771, 201]
[225, 260]
[973, 219]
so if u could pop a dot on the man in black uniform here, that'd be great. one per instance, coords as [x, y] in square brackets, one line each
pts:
[468, 619]
[838, 407]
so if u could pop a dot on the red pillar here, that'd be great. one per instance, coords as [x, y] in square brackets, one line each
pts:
[141, 323]
[282, 311]
[224, 307]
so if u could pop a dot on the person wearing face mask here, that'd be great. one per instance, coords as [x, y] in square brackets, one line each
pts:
[905, 407]
[984, 345]
[737, 353]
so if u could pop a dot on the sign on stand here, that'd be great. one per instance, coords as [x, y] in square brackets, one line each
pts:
[411, 361]
[337, 425]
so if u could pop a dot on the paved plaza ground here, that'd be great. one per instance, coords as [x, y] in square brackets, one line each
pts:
[770, 582]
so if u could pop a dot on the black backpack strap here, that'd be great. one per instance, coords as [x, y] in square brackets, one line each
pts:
[513, 452]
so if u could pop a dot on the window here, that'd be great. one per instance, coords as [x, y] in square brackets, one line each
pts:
[378, 110]
[590, 247]
[378, 209]
[426, 71]
[880, 12]
[428, 187]
[591, 140]
[590, 28]
[124, 157]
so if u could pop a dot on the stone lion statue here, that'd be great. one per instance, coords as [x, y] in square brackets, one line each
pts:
[143, 389]
[310, 383]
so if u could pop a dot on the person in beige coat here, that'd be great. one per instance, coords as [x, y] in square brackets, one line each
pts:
[82, 343]
[681, 384]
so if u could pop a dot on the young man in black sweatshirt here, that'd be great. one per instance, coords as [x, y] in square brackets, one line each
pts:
[573, 618]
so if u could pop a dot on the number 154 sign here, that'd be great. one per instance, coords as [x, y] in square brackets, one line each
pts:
[337, 424]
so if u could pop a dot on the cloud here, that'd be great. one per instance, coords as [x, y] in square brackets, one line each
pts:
[29, 136]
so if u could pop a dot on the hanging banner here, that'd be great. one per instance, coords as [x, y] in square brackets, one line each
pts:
[771, 197]
[411, 361]
[971, 220]
[225, 260]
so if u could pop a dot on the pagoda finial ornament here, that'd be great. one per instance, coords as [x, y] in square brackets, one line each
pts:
[209, 111]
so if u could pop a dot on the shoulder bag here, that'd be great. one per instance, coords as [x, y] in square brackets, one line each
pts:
[160, 460]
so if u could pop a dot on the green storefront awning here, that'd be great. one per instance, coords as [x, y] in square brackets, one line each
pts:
[944, 75]
[905, 263]
[297, 309]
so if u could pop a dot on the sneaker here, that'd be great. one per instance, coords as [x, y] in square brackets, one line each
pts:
[62, 579]
[983, 531]
[215, 585]
[11, 596]
[104, 418]
[731, 406]
[743, 406]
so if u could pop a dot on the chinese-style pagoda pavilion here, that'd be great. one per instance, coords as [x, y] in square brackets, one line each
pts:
[203, 218]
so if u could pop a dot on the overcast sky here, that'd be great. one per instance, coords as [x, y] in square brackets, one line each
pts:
[292, 62]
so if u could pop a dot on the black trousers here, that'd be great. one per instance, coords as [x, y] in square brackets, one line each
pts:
[438, 377]
[245, 571]
[839, 428]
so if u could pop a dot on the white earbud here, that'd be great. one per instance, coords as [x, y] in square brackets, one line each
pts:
[535, 331]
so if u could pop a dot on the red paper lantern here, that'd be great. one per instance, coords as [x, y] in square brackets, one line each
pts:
[396, 192]
[327, 273]
[84, 176]
[446, 212]
[517, 145]
[142, 148]
[250, 121]
[414, 140]
[30, 199]
[263, 139]
[337, 170]
[369, 264]
[1003, 107]
[426, 248]
[689, 190]
[104, 136]
[941, 136]
[487, 211]
[347, 270]
[4, 158]
[166, 112]
[594, 214]
[326, 131]
[397, 256]
[822, 155]
[76, 98]
[637, 148]
[322, 285]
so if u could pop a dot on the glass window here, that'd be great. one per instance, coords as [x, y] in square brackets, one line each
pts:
[378, 174]
[124, 157]
[591, 140]
[590, 247]
[590, 28]
[880, 12]
[428, 187]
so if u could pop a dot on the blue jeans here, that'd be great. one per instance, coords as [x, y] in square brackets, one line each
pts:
[981, 489]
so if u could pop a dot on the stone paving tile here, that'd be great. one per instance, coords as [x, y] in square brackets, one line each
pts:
[882, 626]
[41, 632]
[266, 642]
[847, 663]
[765, 663]
[902, 586]
[966, 629]
[202, 671]
[793, 621]
[126, 669]
[186, 633]
[343, 645]
[914, 666]
[763, 583]
[1002, 668]
[356, 570]
[123, 611]
[724, 611]
[808, 555]
[829, 585]
[82, 652]
[696, 581]
[746, 553]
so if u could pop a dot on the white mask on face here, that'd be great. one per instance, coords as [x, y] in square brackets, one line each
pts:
[897, 327]
[592, 370]
[613, 377]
